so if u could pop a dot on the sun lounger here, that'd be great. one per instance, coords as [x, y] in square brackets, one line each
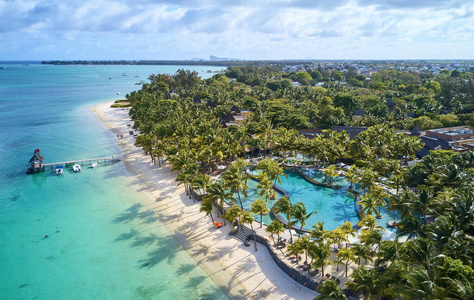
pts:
[218, 224]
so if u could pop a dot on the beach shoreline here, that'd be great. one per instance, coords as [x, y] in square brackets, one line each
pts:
[240, 271]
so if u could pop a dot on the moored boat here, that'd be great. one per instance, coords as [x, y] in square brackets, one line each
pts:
[76, 168]
[59, 170]
[93, 165]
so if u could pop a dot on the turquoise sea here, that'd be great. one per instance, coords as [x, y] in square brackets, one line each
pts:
[101, 241]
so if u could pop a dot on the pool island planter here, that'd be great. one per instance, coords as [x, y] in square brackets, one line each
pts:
[310, 180]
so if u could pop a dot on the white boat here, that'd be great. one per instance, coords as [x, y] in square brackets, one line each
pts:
[76, 168]
[59, 170]
[3, 68]
[93, 165]
[124, 74]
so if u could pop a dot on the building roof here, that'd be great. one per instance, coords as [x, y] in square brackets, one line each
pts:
[352, 131]
[416, 131]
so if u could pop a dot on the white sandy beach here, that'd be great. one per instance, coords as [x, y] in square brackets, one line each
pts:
[242, 272]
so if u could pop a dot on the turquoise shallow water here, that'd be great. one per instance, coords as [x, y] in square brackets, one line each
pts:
[102, 241]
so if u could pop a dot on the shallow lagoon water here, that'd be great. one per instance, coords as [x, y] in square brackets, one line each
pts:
[102, 242]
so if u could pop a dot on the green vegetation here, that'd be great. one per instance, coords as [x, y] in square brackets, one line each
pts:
[189, 121]
[121, 103]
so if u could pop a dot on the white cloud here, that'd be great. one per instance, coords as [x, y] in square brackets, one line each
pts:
[243, 28]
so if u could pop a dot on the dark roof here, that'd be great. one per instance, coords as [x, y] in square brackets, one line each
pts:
[432, 143]
[196, 99]
[235, 109]
[390, 102]
[310, 133]
[210, 104]
[416, 131]
[228, 117]
[410, 114]
[352, 131]
[359, 112]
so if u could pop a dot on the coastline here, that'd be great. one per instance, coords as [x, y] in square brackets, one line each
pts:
[240, 271]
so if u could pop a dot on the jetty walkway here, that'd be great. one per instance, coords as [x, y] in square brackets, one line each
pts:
[34, 168]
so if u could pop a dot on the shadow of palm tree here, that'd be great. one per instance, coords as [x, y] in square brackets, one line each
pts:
[134, 213]
[196, 280]
[343, 212]
[146, 241]
[166, 250]
[129, 215]
[127, 236]
[185, 269]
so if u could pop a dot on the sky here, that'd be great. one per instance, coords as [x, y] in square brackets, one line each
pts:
[242, 29]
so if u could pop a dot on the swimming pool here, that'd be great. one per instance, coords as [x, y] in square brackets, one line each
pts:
[334, 206]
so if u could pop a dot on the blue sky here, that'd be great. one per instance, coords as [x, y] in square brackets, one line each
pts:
[257, 29]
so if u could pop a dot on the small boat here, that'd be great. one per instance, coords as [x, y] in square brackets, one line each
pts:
[76, 168]
[3, 68]
[93, 165]
[118, 93]
[124, 74]
[59, 170]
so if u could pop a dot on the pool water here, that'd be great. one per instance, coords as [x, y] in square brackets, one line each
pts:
[333, 206]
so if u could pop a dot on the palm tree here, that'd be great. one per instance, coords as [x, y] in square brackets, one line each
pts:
[236, 179]
[272, 169]
[423, 203]
[371, 237]
[300, 215]
[403, 203]
[397, 181]
[365, 281]
[369, 204]
[346, 255]
[331, 173]
[304, 243]
[328, 290]
[246, 217]
[259, 207]
[418, 284]
[389, 252]
[351, 175]
[216, 192]
[348, 230]
[207, 206]
[367, 178]
[232, 214]
[380, 195]
[266, 187]
[319, 233]
[362, 251]
[284, 206]
[275, 227]
[321, 256]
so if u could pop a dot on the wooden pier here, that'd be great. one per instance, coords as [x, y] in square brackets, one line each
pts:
[35, 168]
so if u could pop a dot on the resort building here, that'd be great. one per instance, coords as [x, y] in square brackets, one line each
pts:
[458, 139]
[235, 117]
